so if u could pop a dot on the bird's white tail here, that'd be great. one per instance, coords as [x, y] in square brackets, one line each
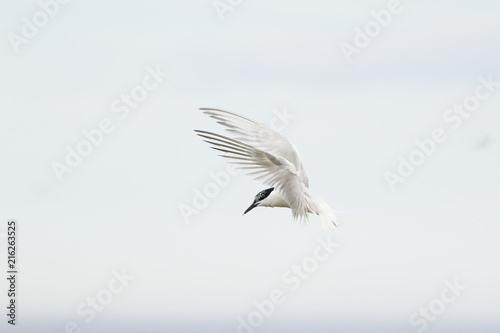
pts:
[329, 219]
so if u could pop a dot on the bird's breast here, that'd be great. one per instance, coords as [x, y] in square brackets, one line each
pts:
[275, 199]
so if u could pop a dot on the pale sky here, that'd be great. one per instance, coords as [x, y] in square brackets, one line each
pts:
[120, 207]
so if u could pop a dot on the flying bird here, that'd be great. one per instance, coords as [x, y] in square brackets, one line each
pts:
[271, 157]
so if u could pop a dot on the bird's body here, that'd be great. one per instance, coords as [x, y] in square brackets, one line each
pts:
[272, 158]
[274, 199]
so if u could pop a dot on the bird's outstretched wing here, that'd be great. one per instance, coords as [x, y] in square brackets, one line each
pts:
[260, 137]
[274, 170]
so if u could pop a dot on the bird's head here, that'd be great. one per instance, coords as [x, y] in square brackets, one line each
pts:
[259, 198]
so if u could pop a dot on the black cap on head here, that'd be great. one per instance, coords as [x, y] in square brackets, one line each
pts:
[263, 194]
[258, 198]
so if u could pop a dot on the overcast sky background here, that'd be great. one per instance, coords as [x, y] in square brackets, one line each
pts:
[120, 208]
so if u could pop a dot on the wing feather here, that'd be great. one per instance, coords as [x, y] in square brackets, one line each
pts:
[260, 137]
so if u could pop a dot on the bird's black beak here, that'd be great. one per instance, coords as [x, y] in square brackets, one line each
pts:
[252, 206]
